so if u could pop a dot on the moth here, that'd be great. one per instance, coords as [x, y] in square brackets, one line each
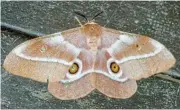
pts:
[79, 60]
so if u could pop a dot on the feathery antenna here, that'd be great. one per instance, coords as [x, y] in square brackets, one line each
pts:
[97, 15]
[80, 14]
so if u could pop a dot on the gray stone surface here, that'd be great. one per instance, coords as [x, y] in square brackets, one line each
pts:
[160, 20]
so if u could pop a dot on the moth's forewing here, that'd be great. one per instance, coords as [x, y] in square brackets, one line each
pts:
[140, 56]
[44, 58]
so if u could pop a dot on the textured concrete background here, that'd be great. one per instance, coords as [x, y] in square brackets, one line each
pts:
[160, 20]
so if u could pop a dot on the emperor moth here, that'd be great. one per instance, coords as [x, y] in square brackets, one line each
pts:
[79, 60]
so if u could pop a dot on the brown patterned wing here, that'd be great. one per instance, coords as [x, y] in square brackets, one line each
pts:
[140, 56]
[45, 58]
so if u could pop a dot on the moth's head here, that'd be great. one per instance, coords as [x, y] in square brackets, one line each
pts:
[93, 32]
[92, 29]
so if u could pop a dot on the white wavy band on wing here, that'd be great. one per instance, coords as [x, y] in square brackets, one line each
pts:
[53, 41]
[130, 40]
[45, 59]
[158, 48]
[97, 72]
